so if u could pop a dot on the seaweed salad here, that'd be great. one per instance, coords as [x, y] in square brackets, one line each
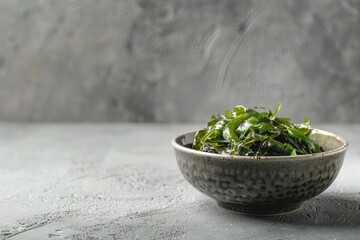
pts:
[255, 132]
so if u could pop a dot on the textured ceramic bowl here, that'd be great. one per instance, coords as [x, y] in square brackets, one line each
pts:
[261, 185]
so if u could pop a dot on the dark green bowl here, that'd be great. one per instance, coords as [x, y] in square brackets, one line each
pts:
[268, 185]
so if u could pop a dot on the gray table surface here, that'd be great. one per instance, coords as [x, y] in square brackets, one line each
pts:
[121, 181]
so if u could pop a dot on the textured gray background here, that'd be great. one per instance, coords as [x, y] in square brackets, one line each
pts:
[178, 60]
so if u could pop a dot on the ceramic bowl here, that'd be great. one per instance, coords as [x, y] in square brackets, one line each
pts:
[268, 185]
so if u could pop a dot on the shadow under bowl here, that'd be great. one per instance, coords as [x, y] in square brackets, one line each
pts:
[267, 185]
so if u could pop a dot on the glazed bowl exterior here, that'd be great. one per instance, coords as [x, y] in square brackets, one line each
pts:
[261, 185]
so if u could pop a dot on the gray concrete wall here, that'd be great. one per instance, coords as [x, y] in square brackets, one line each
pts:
[178, 60]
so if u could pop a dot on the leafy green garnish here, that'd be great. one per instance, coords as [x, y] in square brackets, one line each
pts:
[255, 132]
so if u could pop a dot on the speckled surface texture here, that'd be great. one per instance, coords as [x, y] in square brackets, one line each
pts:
[166, 61]
[113, 181]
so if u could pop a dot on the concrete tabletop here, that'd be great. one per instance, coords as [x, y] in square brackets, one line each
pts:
[121, 181]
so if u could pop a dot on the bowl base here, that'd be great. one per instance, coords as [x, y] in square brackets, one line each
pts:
[260, 209]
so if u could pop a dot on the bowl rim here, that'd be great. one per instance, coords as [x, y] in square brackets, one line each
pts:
[344, 146]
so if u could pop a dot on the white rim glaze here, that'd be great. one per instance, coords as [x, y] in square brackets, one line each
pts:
[267, 158]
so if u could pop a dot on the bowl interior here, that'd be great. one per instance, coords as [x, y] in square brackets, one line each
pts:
[328, 141]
